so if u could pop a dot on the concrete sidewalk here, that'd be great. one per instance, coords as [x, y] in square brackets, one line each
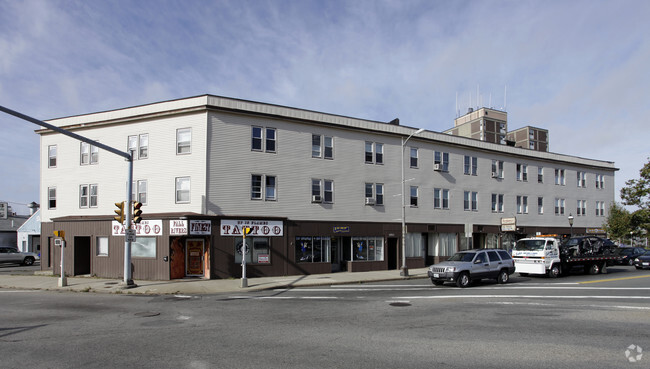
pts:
[49, 282]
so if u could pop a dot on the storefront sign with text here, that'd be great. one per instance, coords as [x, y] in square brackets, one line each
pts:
[258, 227]
[178, 227]
[145, 228]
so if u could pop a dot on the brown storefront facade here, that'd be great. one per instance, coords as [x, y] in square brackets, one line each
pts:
[175, 246]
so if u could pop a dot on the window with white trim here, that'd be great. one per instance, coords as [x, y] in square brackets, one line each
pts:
[497, 169]
[322, 190]
[559, 206]
[263, 139]
[600, 208]
[139, 191]
[470, 165]
[581, 207]
[442, 160]
[440, 198]
[139, 145]
[102, 246]
[540, 205]
[497, 203]
[522, 204]
[600, 181]
[89, 154]
[522, 172]
[540, 175]
[559, 177]
[183, 141]
[374, 152]
[263, 187]
[581, 179]
[414, 196]
[182, 190]
[322, 146]
[51, 197]
[414, 157]
[88, 196]
[51, 156]
[470, 201]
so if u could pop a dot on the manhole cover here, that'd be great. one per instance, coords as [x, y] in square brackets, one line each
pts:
[146, 314]
[400, 304]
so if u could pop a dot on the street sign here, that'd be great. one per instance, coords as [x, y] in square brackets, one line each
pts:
[130, 235]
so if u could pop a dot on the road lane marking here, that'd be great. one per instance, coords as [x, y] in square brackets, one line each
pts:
[615, 279]
[589, 306]
[522, 296]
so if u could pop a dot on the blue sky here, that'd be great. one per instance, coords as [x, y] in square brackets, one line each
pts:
[576, 68]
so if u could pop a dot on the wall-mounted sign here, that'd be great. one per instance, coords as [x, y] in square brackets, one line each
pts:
[342, 229]
[200, 227]
[178, 227]
[144, 228]
[230, 227]
[509, 221]
[596, 231]
[508, 227]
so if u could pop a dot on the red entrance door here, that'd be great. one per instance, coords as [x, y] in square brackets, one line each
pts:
[194, 258]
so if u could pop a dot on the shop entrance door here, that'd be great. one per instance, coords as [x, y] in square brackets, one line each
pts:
[335, 255]
[194, 251]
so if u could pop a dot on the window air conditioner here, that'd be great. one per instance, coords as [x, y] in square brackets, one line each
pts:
[370, 201]
[495, 175]
[316, 198]
[437, 167]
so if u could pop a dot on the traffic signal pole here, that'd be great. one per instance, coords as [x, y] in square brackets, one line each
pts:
[128, 281]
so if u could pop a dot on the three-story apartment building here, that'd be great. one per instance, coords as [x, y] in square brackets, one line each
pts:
[322, 192]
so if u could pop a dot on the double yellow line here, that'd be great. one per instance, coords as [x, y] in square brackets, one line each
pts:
[614, 279]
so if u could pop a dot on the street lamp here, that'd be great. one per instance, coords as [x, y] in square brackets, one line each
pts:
[571, 223]
[404, 272]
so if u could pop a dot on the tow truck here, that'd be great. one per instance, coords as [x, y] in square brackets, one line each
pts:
[547, 255]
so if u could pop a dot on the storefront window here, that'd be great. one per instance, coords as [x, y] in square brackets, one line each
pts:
[313, 249]
[258, 250]
[368, 248]
[144, 247]
[414, 245]
[442, 244]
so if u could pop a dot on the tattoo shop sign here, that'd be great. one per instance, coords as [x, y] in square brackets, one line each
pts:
[230, 227]
[144, 228]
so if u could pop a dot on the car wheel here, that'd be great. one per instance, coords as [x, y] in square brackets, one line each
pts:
[554, 272]
[28, 261]
[594, 269]
[630, 262]
[463, 280]
[503, 277]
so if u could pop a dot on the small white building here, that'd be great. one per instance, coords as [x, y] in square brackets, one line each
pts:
[29, 234]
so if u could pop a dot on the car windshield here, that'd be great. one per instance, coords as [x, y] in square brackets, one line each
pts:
[462, 256]
[530, 245]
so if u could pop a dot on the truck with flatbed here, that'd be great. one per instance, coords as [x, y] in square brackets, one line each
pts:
[548, 255]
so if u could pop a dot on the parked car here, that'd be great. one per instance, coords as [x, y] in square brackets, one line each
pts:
[642, 261]
[472, 265]
[10, 254]
[628, 254]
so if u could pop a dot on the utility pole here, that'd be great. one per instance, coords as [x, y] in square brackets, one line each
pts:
[128, 281]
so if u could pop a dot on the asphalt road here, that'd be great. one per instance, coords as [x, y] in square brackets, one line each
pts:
[573, 322]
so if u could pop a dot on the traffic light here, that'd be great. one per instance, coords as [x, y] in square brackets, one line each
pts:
[120, 212]
[137, 212]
